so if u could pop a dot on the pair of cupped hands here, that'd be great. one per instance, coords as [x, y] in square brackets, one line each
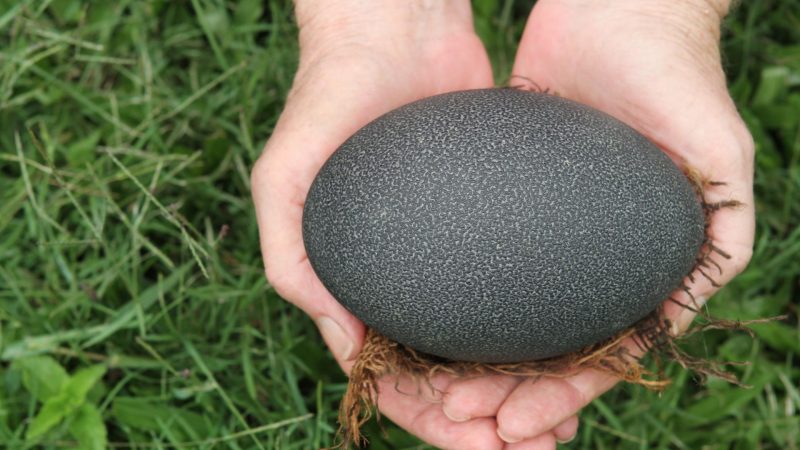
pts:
[654, 64]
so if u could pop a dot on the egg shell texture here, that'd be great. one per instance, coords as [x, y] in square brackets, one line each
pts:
[500, 225]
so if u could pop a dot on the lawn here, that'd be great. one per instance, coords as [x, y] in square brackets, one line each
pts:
[133, 305]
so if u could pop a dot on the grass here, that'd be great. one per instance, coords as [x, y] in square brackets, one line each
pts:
[127, 237]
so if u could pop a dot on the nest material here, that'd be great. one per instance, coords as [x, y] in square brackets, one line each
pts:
[654, 334]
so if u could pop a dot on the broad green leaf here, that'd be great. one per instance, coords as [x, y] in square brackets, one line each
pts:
[52, 412]
[88, 428]
[70, 399]
[81, 382]
[42, 376]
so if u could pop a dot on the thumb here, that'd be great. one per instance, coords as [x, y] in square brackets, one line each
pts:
[279, 199]
[342, 345]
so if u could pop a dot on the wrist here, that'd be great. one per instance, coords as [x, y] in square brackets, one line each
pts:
[377, 24]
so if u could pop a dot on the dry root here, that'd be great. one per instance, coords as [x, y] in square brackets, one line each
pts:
[381, 356]
[527, 84]
[654, 335]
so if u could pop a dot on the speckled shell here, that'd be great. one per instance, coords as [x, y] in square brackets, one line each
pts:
[500, 225]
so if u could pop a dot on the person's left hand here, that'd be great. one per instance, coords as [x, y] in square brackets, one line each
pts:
[359, 60]
[655, 65]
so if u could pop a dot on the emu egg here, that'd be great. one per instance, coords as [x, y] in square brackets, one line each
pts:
[500, 225]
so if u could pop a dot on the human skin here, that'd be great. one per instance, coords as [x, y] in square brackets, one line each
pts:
[654, 64]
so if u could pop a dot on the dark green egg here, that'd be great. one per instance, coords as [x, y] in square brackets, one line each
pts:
[500, 225]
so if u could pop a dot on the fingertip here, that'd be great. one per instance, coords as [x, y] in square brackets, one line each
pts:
[506, 438]
[425, 419]
[455, 416]
[338, 340]
[482, 396]
[566, 431]
[536, 408]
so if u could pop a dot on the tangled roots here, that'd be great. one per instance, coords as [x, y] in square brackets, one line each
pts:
[619, 355]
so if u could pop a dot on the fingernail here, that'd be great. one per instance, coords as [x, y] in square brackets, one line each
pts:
[506, 439]
[567, 441]
[455, 417]
[338, 340]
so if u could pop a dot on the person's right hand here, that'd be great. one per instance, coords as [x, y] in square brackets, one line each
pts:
[359, 60]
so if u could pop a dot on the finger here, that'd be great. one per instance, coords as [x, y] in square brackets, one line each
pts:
[307, 133]
[730, 230]
[279, 211]
[290, 273]
[545, 441]
[477, 397]
[566, 430]
[536, 407]
[422, 415]
[725, 154]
